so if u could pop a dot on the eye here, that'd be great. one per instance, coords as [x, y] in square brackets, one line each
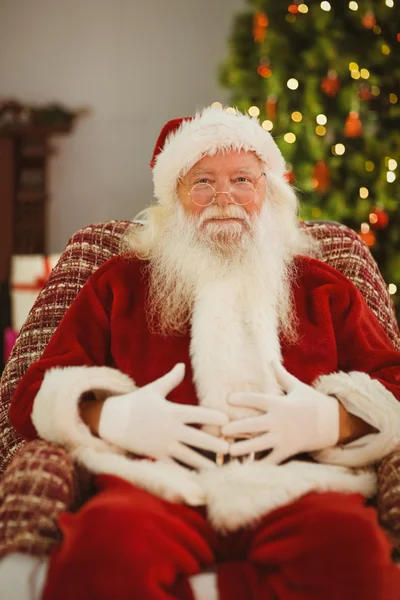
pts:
[243, 179]
[202, 180]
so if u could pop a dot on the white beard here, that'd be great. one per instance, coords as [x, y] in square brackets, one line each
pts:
[232, 283]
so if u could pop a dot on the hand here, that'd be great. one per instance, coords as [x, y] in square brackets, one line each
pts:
[303, 420]
[145, 423]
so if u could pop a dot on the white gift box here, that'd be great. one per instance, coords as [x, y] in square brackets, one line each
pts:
[29, 273]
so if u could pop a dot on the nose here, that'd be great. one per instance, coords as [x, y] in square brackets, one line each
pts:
[222, 198]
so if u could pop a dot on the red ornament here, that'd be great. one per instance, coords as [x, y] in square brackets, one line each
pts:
[364, 93]
[260, 25]
[378, 218]
[369, 238]
[264, 70]
[271, 107]
[321, 177]
[353, 125]
[331, 84]
[368, 21]
[290, 176]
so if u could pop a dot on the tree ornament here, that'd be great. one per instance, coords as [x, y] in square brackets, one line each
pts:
[260, 25]
[364, 93]
[271, 107]
[368, 237]
[330, 85]
[321, 177]
[369, 20]
[290, 176]
[353, 125]
[264, 69]
[378, 218]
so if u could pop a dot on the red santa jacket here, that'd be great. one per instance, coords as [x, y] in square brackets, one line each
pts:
[341, 350]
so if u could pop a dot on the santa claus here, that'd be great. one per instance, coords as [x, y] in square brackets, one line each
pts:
[230, 392]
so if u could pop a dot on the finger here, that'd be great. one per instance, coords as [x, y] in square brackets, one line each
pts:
[201, 439]
[200, 415]
[257, 444]
[276, 457]
[283, 377]
[190, 457]
[250, 425]
[165, 384]
[261, 402]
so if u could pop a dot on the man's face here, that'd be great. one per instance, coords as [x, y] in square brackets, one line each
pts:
[222, 171]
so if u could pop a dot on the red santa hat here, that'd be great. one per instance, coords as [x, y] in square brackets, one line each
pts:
[183, 142]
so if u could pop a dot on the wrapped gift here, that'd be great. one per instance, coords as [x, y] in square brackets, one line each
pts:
[10, 337]
[29, 273]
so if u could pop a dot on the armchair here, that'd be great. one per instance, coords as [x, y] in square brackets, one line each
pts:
[38, 480]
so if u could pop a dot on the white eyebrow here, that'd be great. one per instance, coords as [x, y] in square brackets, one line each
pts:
[213, 172]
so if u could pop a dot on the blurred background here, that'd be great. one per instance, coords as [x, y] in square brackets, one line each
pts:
[86, 85]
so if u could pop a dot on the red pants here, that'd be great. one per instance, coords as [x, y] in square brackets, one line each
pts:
[126, 544]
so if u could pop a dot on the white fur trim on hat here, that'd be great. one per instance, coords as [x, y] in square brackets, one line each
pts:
[210, 131]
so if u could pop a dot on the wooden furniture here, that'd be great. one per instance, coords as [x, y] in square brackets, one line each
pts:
[24, 154]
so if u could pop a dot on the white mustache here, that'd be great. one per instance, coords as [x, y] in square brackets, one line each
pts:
[232, 211]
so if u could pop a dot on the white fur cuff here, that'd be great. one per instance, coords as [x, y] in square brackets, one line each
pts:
[369, 400]
[55, 413]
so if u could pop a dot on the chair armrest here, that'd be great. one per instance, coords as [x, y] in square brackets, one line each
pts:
[40, 483]
[389, 496]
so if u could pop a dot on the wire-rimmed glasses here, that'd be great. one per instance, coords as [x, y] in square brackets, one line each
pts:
[240, 193]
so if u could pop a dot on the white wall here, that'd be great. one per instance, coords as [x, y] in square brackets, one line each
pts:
[136, 63]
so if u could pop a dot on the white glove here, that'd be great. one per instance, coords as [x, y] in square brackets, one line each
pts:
[303, 420]
[145, 423]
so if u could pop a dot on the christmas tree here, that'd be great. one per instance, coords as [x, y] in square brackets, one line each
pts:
[324, 79]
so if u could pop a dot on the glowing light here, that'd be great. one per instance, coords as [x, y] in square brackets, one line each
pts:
[385, 49]
[392, 287]
[290, 138]
[373, 218]
[389, 3]
[267, 125]
[290, 18]
[339, 149]
[369, 165]
[365, 73]
[292, 84]
[392, 164]
[216, 105]
[320, 130]
[376, 29]
[355, 74]
[364, 228]
[375, 91]
[326, 6]
[353, 6]
[353, 66]
[390, 177]
[364, 192]
[297, 116]
[254, 111]
[303, 8]
[230, 110]
[321, 119]
[393, 98]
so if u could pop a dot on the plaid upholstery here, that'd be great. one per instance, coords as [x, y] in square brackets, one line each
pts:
[41, 481]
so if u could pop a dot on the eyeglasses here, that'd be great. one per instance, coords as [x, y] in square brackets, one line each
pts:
[240, 193]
